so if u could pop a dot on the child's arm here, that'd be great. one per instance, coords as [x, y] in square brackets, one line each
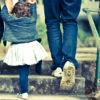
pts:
[9, 5]
[6, 16]
[33, 4]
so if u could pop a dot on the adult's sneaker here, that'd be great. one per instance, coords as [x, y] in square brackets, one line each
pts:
[68, 77]
[57, 73]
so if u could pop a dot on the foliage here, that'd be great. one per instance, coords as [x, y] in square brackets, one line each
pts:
[41, 28]
[85, 39]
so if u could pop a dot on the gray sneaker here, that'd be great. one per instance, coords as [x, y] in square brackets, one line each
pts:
[68, 77]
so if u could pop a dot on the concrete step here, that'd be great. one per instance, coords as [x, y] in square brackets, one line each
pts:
[40, 85]
[43, 97]
[46, 70]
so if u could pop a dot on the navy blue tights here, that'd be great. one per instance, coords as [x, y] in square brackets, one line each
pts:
[23, 78]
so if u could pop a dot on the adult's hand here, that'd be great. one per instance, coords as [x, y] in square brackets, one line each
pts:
[31, 1]
[9, 5]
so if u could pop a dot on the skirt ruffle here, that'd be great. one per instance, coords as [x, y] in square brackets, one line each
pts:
[25, 53]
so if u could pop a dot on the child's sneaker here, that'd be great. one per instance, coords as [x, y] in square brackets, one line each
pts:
[68, 77]
[57, 72]
[23, 96]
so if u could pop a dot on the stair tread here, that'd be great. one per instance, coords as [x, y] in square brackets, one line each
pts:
[44, 97]
[36, 76]
[40, 85]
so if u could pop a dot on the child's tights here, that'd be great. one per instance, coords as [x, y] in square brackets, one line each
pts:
[23, 78]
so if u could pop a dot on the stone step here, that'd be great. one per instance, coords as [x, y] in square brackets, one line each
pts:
[40, 85]
[46, 70]
[44, 97]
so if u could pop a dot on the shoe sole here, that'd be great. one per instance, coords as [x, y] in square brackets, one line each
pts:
[56, 76]
[68, 78]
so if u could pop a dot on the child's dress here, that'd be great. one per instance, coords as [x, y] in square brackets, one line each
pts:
[25, 54]
[25, 48]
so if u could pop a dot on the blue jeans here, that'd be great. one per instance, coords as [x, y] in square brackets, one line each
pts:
[62, 47]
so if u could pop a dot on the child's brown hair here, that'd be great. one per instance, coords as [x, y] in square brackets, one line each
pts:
[21, 9]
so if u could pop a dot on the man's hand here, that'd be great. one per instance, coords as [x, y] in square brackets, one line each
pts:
[31, 1]
[9, 5]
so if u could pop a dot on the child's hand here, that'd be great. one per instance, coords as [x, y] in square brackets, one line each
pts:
[31, 1]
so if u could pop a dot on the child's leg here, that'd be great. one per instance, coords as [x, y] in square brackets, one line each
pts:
[23, 78]
[38, 67]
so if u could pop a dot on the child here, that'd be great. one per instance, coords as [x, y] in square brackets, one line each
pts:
[25, 49]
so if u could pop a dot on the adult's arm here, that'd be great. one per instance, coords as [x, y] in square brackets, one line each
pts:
[31, 1]
[1, 26]
[9, 5]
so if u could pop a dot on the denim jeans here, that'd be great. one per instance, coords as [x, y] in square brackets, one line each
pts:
[62, 45]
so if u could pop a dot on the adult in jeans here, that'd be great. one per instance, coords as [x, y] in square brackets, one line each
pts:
[62, 46]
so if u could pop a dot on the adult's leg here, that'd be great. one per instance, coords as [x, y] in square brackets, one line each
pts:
[69, 12]
[23, 78]
[52, 19]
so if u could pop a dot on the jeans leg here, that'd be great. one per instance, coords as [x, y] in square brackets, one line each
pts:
[23, 78]
[69, 12]
[52, 19]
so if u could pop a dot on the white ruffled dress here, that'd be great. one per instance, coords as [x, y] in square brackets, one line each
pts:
[25, 53]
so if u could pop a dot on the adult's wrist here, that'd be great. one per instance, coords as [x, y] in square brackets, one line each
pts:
[9, 5]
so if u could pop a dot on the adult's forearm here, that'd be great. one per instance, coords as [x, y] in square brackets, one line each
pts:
[9, 5]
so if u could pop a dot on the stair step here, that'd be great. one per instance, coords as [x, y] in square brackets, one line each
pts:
[40, 85]
[46, 70]
[44, 97]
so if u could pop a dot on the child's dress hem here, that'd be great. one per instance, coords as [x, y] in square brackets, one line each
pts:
[25, 54]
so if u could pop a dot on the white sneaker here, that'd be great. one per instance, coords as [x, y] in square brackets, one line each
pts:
[23, 96]
[68, 77]
[97, 95]
[57, 72]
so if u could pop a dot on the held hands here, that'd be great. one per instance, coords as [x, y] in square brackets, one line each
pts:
[31, 1]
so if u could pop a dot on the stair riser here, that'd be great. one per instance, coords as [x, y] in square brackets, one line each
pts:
[41, 86]
[86, 69]
[46, 70]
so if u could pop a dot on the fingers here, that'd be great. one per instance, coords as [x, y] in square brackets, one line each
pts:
[31, 1]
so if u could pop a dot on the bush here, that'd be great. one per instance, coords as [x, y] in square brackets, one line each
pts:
[41, 28]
